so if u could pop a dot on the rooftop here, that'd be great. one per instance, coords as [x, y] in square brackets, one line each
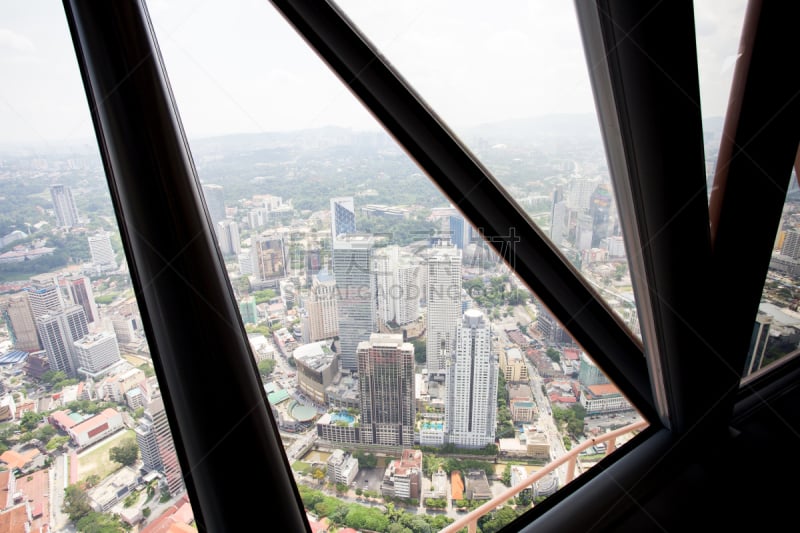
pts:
[605, 389]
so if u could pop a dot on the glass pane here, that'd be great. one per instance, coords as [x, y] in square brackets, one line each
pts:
[776, 328]
[512, 83]
[392, 342]
[83, 433]
[718, 27]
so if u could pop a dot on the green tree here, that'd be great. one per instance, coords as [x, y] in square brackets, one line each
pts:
[76, 503]
[100, 523]
[359, 517]
[420, 347]
[266, 367]
[318, 474]
[29, 421]
[125, 454]
[554, 354]
[497, 520]
[524, 499]
[56, 442]
[506, 477]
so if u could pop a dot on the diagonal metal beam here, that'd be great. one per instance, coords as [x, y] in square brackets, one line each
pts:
[224, 434]
[470, 187]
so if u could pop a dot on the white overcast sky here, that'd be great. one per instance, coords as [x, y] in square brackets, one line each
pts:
[237, 66]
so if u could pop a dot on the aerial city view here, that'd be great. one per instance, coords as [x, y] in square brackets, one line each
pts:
[405, 364]
[412, 375]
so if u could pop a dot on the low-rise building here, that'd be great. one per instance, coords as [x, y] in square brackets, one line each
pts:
[477, 485]
[333, 429]
[113, 489]
[342, 467]
[603, 399]
[523, 411]
[403, 477]
[513, 365]
[96, 428]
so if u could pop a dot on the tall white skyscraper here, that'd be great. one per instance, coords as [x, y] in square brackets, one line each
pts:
[64, 206]
[58, 333]
[397, 282]
[103, 257]
[343, 217]
[95, 353]
[386, 383]
[471, 409]
[355, 285]
[228, 237]
[443, 268]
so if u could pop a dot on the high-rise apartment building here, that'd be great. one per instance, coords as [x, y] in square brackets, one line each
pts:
[215, 201]
[156, 428]
[343, 217]
[148, 444]
[95, 353]
[103, 257]
[443, 268]
[397, 284]
[471, 409]
[18, 316]
[355, 287]
[268, 258]
[228, 237]
[64, 206]
[386, 383]
[791, 244]
[322, 309]
[79, 290]
[44, 296]
[58, 333]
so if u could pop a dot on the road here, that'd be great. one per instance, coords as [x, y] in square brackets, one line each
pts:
[59, 479]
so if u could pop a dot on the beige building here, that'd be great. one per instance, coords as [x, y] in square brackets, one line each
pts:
[513, 365]
[322, 312]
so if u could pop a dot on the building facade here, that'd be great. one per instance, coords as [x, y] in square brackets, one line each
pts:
[386, 380]
[355, 286]
[64, 206]
[397, 284]
[443, 293]
[58, 333]
[322, 310]
[471, 411]
[95, 353]
[18, 316]
[343, 217]
[103, 257]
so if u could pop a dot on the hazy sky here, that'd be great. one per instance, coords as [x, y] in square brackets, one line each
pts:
[237, 66]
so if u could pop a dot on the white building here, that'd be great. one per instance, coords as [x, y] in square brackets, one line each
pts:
[342, 467]
[443, 268]
[228, 237]
[96, 428]
[95, 353]
[58, 333]
[397, 282]
[322, 310]
[471, 411]
[103, 258]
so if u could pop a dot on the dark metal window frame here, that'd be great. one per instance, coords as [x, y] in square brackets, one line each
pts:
[645, 84]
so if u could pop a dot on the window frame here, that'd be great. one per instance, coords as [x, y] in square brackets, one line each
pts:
[144, 148]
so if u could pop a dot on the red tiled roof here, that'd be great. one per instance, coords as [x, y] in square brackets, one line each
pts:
[95, 421]
[14, 520]
[604, 389]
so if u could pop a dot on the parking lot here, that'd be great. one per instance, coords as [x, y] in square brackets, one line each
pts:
[369, 479]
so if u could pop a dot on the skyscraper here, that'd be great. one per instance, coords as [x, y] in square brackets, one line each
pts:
[443, 267]
[18, 316]
[343, 217]
[228, 237]
[95, 353]
[44, 296]
[58, 333]
[215, 201]
[322, 319]
[355, 285]
[386, 382]
[268, 257]
[80, 293]
[758, 343]
[103, 257]
[158, 449]
[64, 206]
[459, 230]
[471, 409]
[397, 282]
